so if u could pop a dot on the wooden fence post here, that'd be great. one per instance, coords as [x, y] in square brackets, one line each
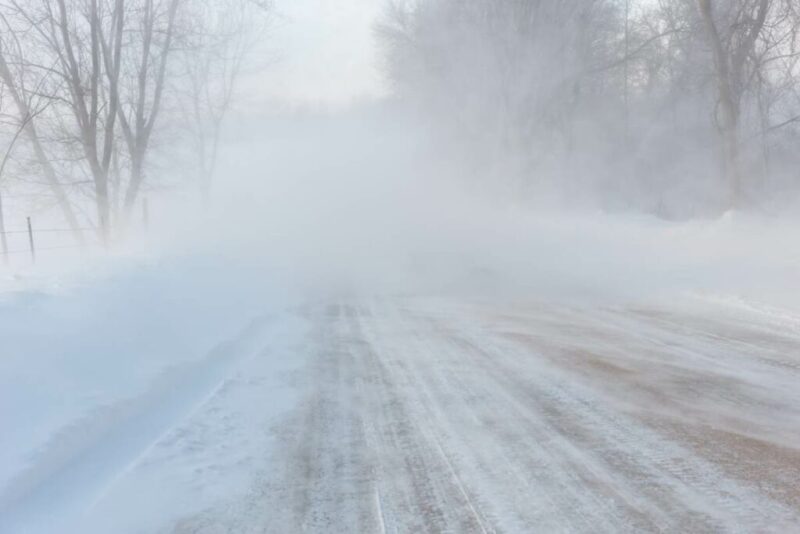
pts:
[30, 241]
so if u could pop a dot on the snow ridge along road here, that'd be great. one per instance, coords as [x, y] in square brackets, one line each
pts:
[86, 459]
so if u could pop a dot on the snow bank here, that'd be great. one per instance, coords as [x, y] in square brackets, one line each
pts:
[92, 367]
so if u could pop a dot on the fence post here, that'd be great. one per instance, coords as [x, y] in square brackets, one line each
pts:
[30, 240]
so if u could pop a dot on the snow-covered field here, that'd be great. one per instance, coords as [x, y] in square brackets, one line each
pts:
[95, 371]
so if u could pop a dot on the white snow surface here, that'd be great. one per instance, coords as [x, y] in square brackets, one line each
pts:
[92, 374]
[472, 370]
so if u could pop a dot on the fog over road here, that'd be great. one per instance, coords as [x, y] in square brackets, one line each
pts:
[437, 415]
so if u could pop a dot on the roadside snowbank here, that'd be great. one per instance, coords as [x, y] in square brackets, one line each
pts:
[93, 369]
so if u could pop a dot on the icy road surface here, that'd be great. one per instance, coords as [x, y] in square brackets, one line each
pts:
[434, 415]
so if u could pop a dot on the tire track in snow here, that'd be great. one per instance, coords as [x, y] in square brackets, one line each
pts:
[422, 416]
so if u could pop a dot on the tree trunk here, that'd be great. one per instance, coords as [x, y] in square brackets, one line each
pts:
[3, 240]
[136, 179]
[55, 185]
[103, 211]
[730, 62]
[728, 117]
[731, 164]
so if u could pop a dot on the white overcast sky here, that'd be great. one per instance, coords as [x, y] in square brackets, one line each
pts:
[324, 54]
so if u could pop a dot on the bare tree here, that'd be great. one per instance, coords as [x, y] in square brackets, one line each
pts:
[733, 36]
[608, 99]
[106, 70]
[17, 132]
[149, 55]
[72, 35]
[223, 34]
[27, 109]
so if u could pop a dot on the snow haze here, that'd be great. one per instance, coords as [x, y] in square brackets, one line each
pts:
[324, 55]
[390, 266]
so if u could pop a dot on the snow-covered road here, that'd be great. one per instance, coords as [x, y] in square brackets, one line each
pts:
[438, 416]
[448, 415]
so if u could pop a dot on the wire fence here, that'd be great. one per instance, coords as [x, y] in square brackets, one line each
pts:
[18, 241]
[32, 237]
[51, 230]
